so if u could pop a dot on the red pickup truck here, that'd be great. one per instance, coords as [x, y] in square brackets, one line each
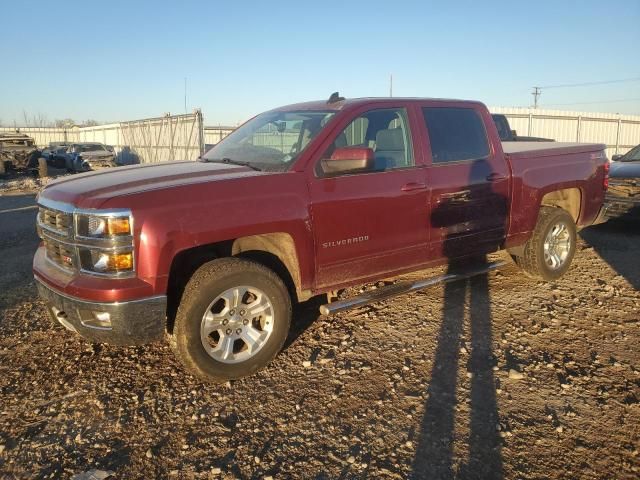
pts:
[299, 201]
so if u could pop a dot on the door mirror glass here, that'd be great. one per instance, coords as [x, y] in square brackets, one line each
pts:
[349, 159]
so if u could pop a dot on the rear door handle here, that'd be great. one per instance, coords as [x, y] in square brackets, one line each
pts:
[412, 186]
[494, 177]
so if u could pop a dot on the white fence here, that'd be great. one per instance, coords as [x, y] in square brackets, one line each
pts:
[619, 132]
[172, 137]
[183, 137]
[44, 135]
[213, 135]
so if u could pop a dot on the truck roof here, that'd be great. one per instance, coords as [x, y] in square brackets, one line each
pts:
[354, 102]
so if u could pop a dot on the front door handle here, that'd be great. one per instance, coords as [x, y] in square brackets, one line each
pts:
[494, 177]
[412, 186]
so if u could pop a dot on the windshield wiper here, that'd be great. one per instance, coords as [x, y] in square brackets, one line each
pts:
[231, 162]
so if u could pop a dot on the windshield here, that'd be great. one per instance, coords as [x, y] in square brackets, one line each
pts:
[89, 147]
[271, 141]
[632, 156]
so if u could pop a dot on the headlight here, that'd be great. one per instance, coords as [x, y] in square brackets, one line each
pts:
[105, 242]
[98, 226]
[100, 261]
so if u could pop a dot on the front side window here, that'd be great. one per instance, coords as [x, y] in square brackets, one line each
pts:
[385, 132]
[455, 134]
[271, 141]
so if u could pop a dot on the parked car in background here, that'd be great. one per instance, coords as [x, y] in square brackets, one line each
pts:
[507, 135]
[54, 153]
[18, 151]
[302, 200]
[623, 197]
[82, 157]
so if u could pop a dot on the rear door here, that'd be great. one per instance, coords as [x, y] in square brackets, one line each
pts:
[372, 223]
[469, 180]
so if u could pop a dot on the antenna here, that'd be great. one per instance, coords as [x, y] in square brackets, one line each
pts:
[334, 98]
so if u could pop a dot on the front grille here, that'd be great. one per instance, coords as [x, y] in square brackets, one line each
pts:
[55, 221]
[60, 254]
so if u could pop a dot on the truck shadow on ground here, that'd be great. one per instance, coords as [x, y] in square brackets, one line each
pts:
[435, 456]
[613, 241]
[438, 452]
[305, 314]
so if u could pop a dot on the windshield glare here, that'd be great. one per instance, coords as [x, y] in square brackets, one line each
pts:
[271, 141]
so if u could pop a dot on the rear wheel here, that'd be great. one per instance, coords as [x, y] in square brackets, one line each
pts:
[233, 319]
[547, 255]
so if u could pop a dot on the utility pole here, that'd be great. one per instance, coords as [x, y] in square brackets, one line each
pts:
[185, 95]
[391, 85]
[537, 91]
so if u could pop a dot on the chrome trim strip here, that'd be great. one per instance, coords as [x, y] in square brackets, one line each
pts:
[92, 246]
[49, 228]
[104, 304]
[93, 241]
[112, 212]
[55, 205]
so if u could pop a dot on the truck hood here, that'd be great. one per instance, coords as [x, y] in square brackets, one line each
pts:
[93, 189]
[625, 169]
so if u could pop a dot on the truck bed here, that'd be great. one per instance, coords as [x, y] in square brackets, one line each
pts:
[545, 149]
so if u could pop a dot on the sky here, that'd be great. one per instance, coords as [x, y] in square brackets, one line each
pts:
[124, 60]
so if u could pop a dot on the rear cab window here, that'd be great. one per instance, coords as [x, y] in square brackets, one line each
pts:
[456, 134]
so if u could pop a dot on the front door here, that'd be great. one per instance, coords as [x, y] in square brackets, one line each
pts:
[375, 222]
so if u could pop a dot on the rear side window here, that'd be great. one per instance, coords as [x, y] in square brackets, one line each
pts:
[455, 134]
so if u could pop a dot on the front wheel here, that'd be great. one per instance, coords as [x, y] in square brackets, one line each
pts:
[233, 319]
[547, 255]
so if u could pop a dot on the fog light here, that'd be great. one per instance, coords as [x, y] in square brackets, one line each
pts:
[98, 320]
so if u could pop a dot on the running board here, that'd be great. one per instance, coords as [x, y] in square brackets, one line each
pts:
[405, 287]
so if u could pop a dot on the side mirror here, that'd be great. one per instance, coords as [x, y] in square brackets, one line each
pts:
[616, 157]
[514, 133]
[349, 159]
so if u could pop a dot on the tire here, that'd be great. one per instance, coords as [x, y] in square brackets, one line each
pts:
[534, 261]
[202, 295]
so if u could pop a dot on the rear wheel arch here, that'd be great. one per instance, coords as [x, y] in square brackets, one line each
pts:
[568, 199]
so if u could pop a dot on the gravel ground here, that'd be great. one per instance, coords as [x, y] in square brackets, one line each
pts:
[495, 377]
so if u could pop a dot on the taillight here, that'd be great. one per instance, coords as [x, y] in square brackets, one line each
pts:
[605, 180]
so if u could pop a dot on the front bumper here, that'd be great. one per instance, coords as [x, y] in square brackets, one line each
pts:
[133, 322]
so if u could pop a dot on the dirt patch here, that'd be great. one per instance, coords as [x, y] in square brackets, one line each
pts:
[14, 183]
[496, 377]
